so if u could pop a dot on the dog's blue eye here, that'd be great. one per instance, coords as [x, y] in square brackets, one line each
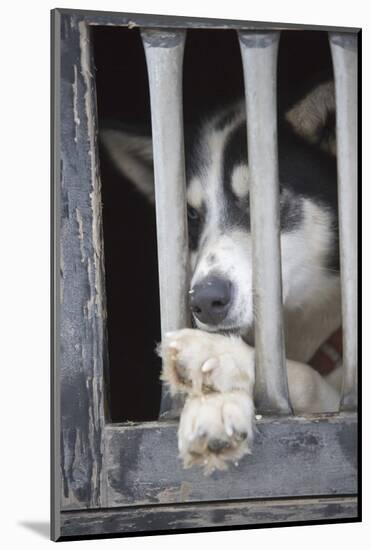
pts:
[192, 213]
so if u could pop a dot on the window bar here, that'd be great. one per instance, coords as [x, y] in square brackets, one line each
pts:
[164, 55]
[259, 56]
[345, 61]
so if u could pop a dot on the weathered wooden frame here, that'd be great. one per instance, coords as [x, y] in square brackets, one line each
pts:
[107, 478]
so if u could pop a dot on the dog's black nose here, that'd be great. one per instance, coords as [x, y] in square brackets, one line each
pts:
[210, 299]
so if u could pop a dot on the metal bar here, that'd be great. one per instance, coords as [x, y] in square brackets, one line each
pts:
[259, 56]
[164, 54]
[345, 60]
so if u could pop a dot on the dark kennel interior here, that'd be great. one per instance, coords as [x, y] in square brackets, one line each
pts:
[212, 77]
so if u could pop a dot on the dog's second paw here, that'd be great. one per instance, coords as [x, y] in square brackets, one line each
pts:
[215, 429]
[198, 362]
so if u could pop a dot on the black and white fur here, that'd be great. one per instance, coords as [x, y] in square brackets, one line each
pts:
[213, 364]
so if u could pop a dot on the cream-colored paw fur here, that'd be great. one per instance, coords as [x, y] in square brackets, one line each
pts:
[215, 429]
[197, 362]
[216, 373]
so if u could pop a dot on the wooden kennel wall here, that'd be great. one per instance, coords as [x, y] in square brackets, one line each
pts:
[124, 478]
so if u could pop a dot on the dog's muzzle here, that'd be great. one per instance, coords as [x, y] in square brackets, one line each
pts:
[210, 299]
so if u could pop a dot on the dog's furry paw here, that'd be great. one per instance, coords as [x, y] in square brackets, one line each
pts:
[215, 429]
[198, 362]
[217, 374]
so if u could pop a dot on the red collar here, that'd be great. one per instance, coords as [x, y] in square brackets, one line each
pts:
[329, 355]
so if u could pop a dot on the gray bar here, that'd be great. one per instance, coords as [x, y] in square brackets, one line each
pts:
[259, 57]
[345, 61]
[164, 54]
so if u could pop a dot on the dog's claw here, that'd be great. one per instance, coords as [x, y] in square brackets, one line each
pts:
[216, 437]
[209, 365]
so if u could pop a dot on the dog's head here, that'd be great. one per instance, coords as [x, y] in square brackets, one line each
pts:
[221, 290]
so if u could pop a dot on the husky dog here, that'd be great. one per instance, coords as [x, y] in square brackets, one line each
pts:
[213, 363]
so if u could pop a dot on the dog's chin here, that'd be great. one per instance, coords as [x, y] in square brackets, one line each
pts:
[231, 329]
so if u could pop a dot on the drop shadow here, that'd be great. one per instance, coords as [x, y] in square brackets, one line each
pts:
[42, 528]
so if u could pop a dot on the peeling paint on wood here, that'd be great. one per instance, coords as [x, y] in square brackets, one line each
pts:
[82, 312]
[76, 117]
[132, 20]
[217, 514]
[294, 456]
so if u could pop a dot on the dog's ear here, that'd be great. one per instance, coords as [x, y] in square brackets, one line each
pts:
[313, 117]
[131, 153]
